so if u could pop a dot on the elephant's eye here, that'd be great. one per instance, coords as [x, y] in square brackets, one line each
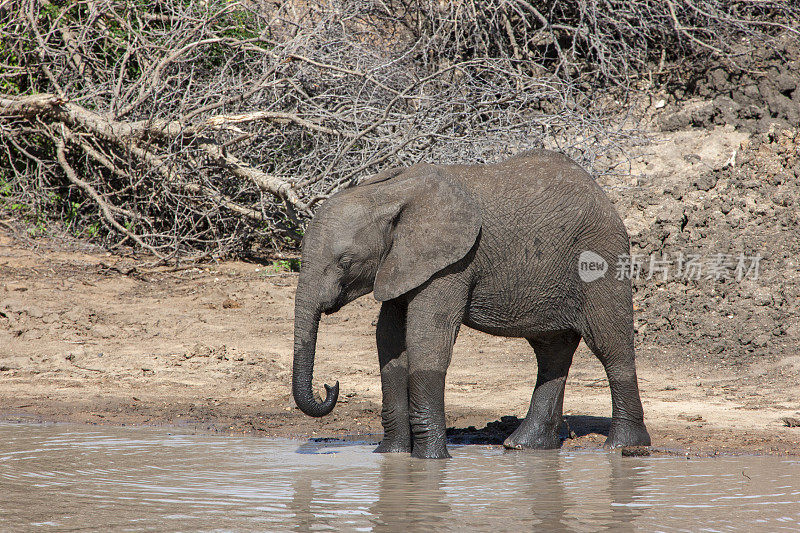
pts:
[345, 261]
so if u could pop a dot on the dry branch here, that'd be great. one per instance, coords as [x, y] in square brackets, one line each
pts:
[99, 200]
[223, 120]
[208, 127]
[126, 135]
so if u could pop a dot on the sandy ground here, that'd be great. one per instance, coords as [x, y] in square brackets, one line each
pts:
[91, 337]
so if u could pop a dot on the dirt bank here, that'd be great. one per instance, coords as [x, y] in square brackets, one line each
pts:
[721, 196]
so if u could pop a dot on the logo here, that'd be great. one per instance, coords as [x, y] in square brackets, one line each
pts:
[591, 266]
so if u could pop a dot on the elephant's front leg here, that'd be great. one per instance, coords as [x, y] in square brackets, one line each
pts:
[391, 338]
[432, 325]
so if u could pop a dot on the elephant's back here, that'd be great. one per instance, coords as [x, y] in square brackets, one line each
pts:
[541, 190]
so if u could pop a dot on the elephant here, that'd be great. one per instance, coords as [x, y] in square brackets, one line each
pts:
[495, 247]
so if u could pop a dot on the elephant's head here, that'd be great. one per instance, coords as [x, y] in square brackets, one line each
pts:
[388, 235]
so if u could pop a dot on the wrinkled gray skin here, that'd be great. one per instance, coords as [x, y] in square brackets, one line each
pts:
[494, 247]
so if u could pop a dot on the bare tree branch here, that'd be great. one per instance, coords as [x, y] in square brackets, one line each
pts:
[209, 127]
[99, 200]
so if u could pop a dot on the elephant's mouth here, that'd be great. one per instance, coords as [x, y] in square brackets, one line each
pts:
[345, 296]
[335, 306]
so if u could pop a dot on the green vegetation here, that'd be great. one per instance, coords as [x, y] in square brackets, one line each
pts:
[279, 266]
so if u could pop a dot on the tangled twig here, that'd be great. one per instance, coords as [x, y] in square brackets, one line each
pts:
[208, 127]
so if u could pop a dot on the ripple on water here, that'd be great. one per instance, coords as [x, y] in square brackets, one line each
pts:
[57, 477]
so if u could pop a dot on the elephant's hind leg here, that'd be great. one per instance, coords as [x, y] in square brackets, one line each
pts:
[391, 338]
[612, 343]
[540, 428]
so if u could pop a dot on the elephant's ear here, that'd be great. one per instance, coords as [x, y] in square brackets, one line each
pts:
[435, 224]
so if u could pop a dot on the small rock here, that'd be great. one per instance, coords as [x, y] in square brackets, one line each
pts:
[746, 337]
[33, 334]
[199, 350]
[75, 315]
[691, 418]
[230, 303]
[788, 421]
[34, 312]
[761, 341]
[762, 297]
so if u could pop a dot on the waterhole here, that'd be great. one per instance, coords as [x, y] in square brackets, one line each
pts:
[63, 477]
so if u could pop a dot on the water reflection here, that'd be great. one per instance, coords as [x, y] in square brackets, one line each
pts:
[626, 488]
[301, 504]
[68, 477]
[411, 495]
[544, 490]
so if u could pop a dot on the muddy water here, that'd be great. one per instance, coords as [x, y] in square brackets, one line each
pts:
[62, 477]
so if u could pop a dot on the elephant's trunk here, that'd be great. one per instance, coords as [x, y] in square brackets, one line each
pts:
[306, 325]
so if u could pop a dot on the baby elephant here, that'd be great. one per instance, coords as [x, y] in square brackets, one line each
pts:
[518, 249]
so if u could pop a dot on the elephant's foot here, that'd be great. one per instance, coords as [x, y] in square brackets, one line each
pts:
[539, 437]
[396, 432]
[425, 451]
[394, 445]
[627, 433]
[430, 445]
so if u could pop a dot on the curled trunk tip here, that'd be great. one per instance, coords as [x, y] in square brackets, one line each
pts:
[310, 404]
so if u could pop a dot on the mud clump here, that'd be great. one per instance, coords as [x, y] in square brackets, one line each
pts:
[493, 433]
[791, 422]
[635, 451]
[754, 97]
